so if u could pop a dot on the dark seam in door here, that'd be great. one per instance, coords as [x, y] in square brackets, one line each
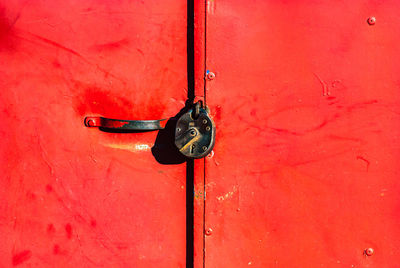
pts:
[190, 162]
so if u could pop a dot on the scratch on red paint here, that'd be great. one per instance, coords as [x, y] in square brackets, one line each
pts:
[325, 88]
[21, 257]
[69, 50]
[112, 45]
[53, 43]
[363, 159]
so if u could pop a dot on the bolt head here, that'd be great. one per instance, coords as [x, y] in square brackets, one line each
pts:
[369, 251]
[209, 231]
[371, 20]
[210, 76]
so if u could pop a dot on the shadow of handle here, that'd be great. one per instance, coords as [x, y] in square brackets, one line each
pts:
[164, 150]
[124, 125]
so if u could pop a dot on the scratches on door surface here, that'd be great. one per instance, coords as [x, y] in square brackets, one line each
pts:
[228, 195]
[135, 148]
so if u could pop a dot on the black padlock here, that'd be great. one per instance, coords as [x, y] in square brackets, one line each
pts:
[195, 132]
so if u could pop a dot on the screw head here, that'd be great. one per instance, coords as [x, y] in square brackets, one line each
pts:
[204, 148]
[178, 129]
[369, 251]
[192, 132]
[371, 20]
[204, 121]
[210, 75]
[208, 128]
[209, 231]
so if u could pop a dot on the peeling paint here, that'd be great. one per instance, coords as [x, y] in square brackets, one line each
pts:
[228, 194]
[130, 147]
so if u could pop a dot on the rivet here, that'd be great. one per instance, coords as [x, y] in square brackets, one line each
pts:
[371, 20]
[204, 121]
[208, 128]
[210, 75]
[204, 148]
[369, 251]
[209, 231]
[90, 123]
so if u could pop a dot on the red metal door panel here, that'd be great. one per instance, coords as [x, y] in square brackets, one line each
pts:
[306, 165]
[71, 196]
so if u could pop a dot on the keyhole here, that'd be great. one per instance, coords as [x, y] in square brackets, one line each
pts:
[192, 148]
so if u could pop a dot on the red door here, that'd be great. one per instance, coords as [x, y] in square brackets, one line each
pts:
[304, 95]
[72, 196]
[306, 100]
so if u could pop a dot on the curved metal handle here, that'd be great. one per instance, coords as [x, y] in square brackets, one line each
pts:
[137, 125]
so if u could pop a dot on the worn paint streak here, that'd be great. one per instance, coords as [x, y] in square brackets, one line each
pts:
[227, 195]
[21, 257]
[130, 147]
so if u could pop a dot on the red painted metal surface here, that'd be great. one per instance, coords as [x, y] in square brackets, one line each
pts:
[71, 196]
[305, 168]
[306, 100]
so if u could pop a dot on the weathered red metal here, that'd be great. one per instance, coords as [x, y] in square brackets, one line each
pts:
[305, 98]
[306, 103]
[77, 197]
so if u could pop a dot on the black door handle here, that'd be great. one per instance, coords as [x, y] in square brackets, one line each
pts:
[194, 129]
[117, 124]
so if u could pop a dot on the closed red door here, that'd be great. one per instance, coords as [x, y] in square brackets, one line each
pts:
[72, 196]
[305, 171]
